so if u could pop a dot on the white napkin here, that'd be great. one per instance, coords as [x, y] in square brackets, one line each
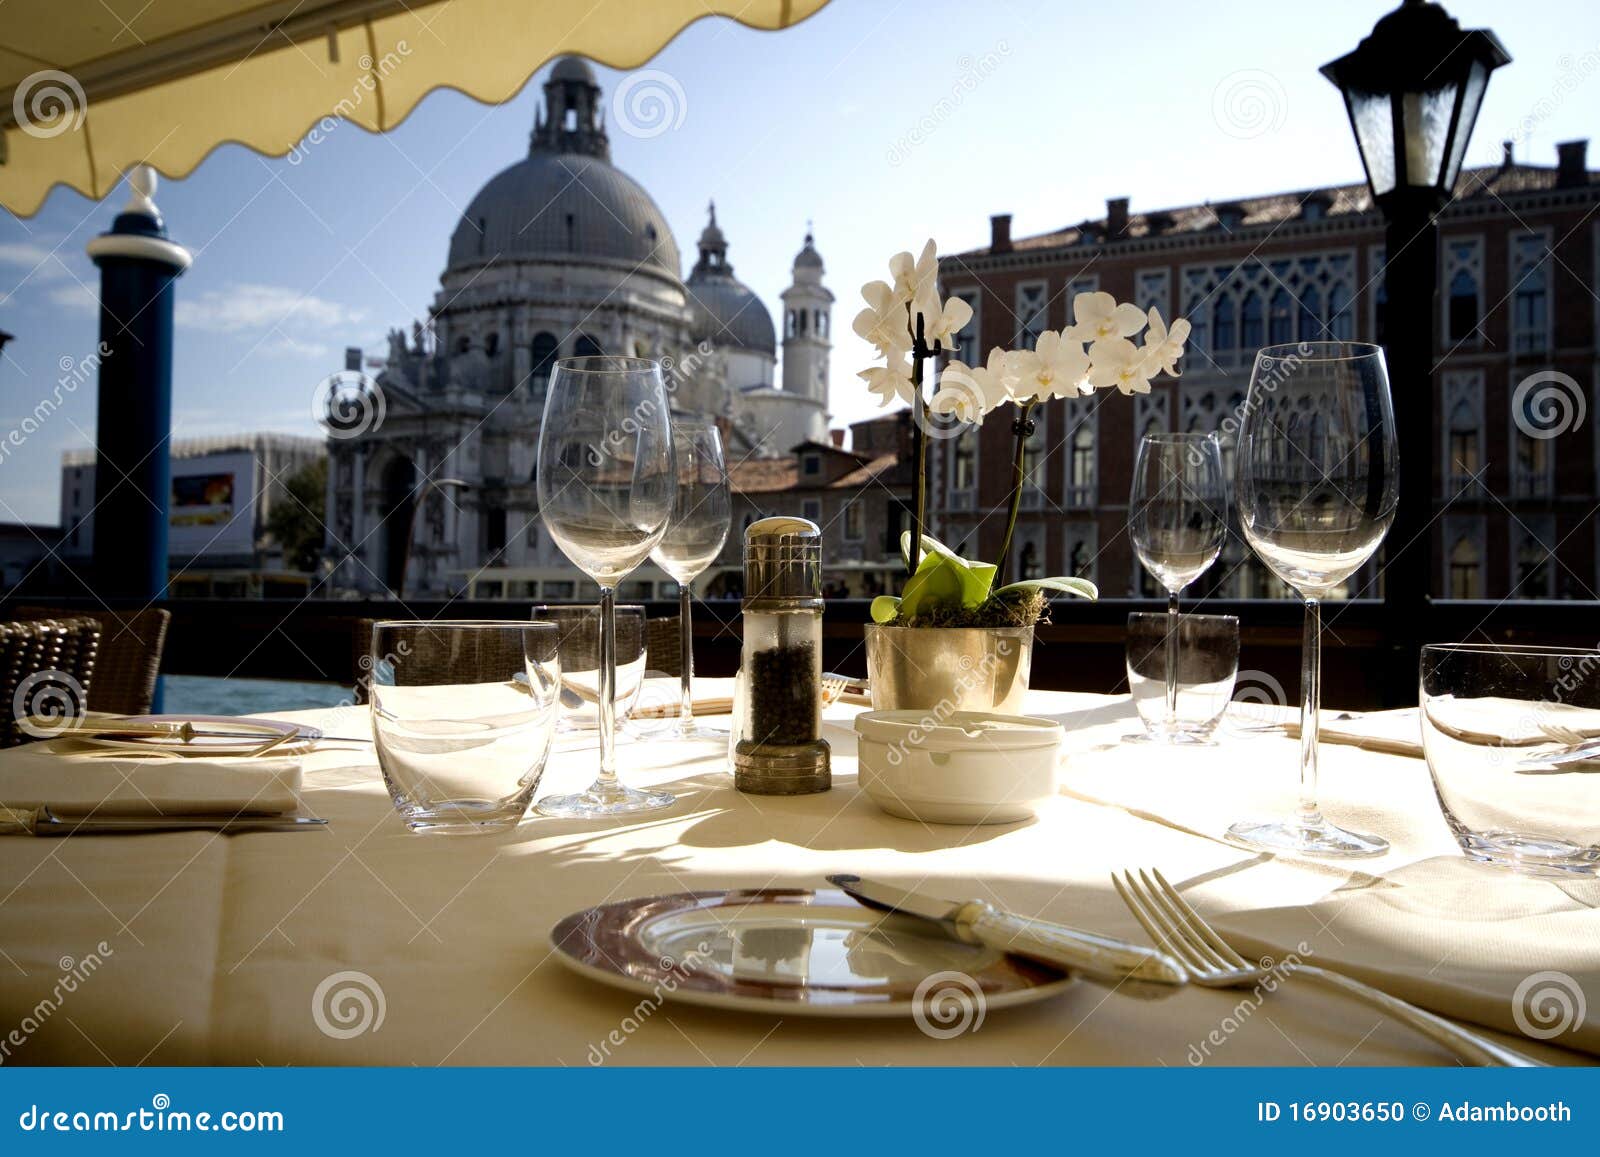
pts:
[73, 778]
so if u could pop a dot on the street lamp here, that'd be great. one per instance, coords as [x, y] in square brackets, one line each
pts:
[1413, 89]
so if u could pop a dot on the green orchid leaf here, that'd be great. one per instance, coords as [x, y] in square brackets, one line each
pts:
[930, 545]
[1083, 588]
[885, 609]
[948, 581]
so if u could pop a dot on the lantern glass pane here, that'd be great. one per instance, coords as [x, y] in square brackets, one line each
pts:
[1374, 122]
[1471, 98]
[1426, 121]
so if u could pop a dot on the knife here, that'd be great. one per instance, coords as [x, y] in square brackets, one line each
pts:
[44, 822]
[1103, 959]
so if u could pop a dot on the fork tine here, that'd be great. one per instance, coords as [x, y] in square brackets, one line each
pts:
[1198, 923]
[1149, 915]
[1183, 925]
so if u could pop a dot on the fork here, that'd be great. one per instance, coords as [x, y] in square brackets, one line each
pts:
[1180, 930]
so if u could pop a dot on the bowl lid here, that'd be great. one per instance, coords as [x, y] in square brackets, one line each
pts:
[957, 730]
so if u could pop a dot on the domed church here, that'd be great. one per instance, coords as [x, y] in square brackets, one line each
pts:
[560, 255]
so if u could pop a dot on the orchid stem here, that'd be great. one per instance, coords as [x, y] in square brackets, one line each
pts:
[1023, 427]
[919, 444]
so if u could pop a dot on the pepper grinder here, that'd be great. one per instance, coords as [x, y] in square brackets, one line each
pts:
[776, 746]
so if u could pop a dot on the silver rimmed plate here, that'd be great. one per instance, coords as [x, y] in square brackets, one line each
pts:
[790, 952]
[218, 735]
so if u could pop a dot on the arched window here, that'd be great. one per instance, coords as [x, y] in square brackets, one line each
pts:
[1341, 317]
[1463, 305]
[586, 347]
[1224, 324]
[1280, 330]
[545, 349]
[1465, 570]
[1080, 562]
[1311, 315]
[463, 344]
[491, 344]
[1253, 332]
[1082, 466]
[1463, 442]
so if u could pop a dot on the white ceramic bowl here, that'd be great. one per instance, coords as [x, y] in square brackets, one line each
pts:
[959, 767]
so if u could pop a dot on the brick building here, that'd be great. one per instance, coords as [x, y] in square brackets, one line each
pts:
[1518, 318]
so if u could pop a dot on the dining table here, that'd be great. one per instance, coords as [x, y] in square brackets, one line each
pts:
[225, 949]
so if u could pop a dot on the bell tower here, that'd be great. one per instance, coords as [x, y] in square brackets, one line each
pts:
[571, 120]
[807, 327]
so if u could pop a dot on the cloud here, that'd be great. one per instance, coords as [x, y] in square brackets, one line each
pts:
[244, 307]
[80, 296]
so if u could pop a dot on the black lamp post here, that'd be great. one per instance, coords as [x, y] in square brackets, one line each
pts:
[1413, 89]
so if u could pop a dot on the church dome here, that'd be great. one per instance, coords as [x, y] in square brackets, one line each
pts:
[727, 312]
[566, 200]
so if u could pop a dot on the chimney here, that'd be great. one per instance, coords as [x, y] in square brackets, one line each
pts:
[1505, 155]
[838, 438]
[1572, 164]
[1116, 217]
[1000, 233]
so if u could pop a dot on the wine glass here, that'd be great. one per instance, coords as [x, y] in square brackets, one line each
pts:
[701, 515]
[1177, 520]
[606, 487]
[1318, 480]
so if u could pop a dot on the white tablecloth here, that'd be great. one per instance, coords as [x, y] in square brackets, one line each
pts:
[227, 950]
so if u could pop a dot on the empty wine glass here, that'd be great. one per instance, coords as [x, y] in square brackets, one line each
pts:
[606, 487]
[1178, 516]
[1318, 480]
[698, 528]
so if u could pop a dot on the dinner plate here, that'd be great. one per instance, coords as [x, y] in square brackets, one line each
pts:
[299, 736]
[791, 952]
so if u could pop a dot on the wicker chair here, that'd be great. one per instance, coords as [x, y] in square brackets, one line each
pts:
[665, 646]
[46, 668]
[129, 657]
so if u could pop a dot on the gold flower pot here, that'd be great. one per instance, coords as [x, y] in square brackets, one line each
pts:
[949, 668]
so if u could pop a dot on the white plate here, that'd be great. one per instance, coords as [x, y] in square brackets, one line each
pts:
[790, 952]
[300, 736]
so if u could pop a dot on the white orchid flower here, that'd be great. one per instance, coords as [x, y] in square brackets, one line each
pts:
[1116, 361]
[949, 321]
[1099, 317]
[1054, 368]
[883, 322]
[970, 392]
[892, 380]
[1163, 347]
[914, 279]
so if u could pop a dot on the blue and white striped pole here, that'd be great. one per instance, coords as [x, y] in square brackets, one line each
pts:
[133, 472]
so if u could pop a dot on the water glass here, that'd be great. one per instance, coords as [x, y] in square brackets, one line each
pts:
[578, 644]
[462, 715]
[1208, 660]
[1497, 724]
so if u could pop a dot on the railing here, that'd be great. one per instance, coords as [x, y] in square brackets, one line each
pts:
[1081, 649]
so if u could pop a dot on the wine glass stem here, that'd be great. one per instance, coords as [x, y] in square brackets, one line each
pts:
[1310, 706]
[686, 646]
[608, 687]
[1172, 660]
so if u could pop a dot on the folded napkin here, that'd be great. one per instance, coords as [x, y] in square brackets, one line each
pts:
[72, 777]
[1464, 940]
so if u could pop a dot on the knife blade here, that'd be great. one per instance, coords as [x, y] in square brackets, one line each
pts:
[44, 822]
[1103, 959]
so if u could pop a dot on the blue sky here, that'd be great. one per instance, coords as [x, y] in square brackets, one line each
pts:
[885, 123]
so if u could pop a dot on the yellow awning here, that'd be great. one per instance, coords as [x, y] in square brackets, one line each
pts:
[87, 92]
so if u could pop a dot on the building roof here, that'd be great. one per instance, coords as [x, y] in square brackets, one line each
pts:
[1335, 201]
[775, 475]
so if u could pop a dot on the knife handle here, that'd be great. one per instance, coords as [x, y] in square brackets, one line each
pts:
[1063, 947]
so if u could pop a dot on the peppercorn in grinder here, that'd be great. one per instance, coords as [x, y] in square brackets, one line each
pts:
[776, 746]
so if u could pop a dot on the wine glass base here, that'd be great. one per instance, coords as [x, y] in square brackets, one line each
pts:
[601, 800]
[1176, 738]
[1319, 838]
[694, 730]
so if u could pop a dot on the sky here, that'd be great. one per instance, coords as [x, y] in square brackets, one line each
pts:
[883, 123]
